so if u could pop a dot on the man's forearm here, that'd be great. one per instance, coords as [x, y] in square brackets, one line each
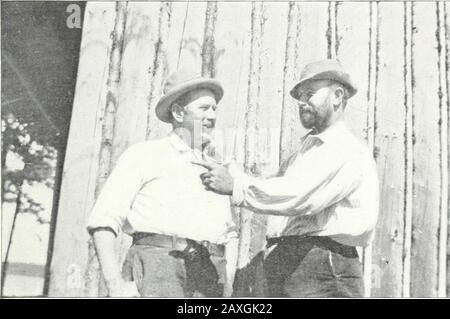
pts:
[104, 246]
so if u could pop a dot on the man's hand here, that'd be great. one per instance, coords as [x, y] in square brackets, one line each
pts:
[217, 179]
[104, 245]
[121, 288]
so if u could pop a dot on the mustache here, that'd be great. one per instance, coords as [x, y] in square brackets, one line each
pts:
[306, 108]
[209, 124]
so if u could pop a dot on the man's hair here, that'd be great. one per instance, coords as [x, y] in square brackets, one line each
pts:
[182, 101]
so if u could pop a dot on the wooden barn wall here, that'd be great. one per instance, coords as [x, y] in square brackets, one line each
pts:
[398, 54]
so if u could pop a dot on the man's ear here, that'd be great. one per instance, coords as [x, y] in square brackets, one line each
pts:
[338, 97]
[177, 112]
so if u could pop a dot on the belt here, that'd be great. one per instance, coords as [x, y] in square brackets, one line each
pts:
[176, 243]
[319, 241]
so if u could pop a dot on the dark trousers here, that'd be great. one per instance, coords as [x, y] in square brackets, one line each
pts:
[316, 267]
[164, 272]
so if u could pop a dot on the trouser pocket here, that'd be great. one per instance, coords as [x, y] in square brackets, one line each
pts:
[342, 266]
[348, 275]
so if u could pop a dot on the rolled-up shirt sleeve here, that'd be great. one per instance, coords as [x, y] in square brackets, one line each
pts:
[117, 195]
[307, 190]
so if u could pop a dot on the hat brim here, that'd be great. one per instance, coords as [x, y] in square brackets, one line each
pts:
[163, 107]
[328, 75]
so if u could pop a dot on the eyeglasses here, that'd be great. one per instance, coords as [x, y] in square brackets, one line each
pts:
[305, 95]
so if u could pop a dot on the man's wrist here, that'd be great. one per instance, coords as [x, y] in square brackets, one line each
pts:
[240, 182]
[237, 195]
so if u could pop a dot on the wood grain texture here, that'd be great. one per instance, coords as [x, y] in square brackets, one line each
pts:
[390, 115]
[208, 47]
[443, 146]
[397, 53]
[426, 157]
[193, 33]
[447, 68]
[171, 26]
[289, 113]
[71, 252]
[251, 157]
[352, 41]
[106, 163]
[232, 54]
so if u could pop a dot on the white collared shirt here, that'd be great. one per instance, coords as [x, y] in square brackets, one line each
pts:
[329, 187]
[155, 188]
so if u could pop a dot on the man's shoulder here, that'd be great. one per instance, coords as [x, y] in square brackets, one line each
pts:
[354, 146]
[143, 148]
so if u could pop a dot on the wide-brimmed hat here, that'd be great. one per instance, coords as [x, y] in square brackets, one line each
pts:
[325, 70]
[179, 83]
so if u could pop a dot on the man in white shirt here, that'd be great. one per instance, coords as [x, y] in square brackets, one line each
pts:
[327, 190]
[154, 194]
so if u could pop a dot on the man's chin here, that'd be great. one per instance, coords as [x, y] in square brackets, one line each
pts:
[307, 125]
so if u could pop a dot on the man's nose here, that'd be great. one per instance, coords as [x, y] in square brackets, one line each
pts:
[211, 114]
[301, 104]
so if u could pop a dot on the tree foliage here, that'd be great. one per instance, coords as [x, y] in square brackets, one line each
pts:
[39, 162]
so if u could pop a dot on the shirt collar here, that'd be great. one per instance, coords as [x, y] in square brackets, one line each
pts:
[333, 133]
[182, 148]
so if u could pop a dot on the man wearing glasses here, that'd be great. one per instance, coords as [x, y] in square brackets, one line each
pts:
[327, 190]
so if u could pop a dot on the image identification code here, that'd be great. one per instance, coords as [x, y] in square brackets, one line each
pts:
[231, 308]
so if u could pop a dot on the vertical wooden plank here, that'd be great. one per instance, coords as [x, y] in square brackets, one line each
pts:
[447, 68]
[70, 254]
[371, 275]
[272, 87]
[443, 161]
[289, 113]
[93, 275]
[171, 25]
[409, 144]
[141, 40]
[313, 32]
[390, 128]
[274, 22]
[332, 31]
[208, 47]
[252, 111]
[426, 179]
[191, 50]
[232, 57]
[177, 25]
[353, 48]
